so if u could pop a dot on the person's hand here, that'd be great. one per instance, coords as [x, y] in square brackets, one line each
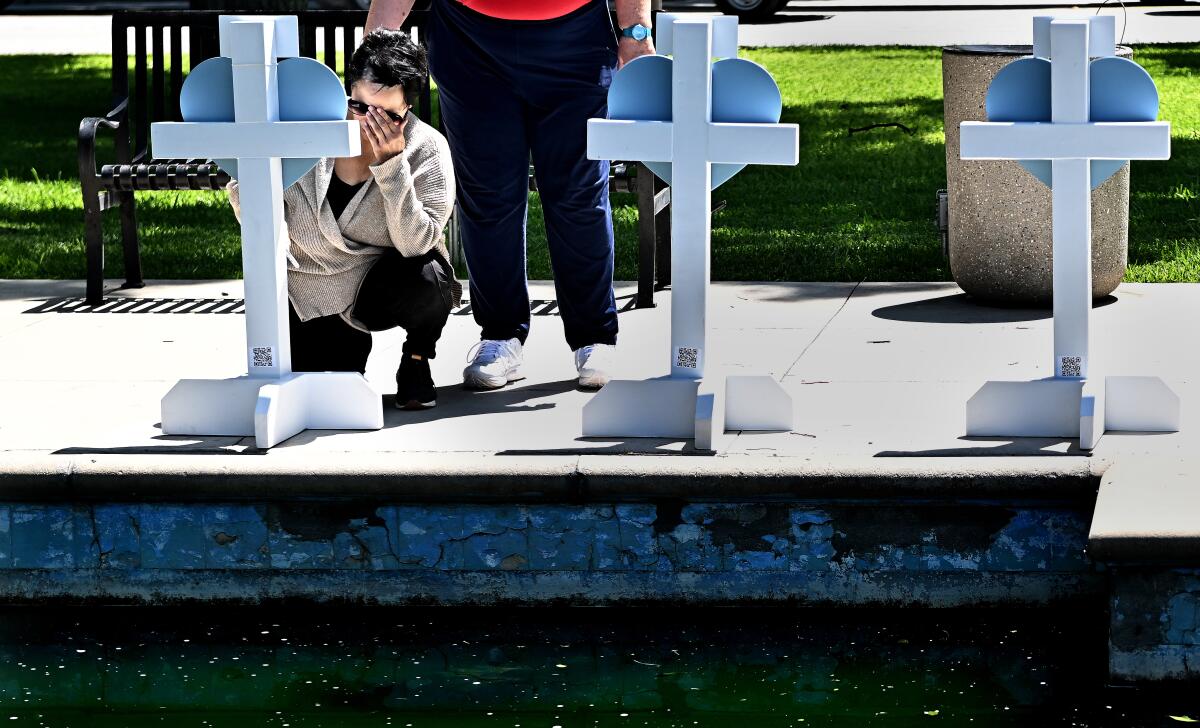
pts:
[629, 49]
[385, 136]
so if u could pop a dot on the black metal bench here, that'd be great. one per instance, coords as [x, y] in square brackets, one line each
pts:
[153, 96]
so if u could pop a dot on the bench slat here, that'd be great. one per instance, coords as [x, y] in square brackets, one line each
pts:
[331, 47]
[348, 49]
[158, 76]
[139, 84]
[176, 70]
[120, 66]
[163, 174]
[308, 41]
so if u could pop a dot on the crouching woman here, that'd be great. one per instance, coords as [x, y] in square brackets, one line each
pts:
[366, 249]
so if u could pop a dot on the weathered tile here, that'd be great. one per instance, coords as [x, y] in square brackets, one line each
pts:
[425, 537]
[508, 551]
[810, 540]
[627, 540]
[376, 539]
[116, 530]
[289, 551]
[5, 536]
[494, 537]
[1039, 540]
[85, 546]
[235, 537]
[561, 538]
[172, 536]
[1183, 619]
[638, 539]
[751, 537]
[301, 535]
[42, 537]
[348, 552]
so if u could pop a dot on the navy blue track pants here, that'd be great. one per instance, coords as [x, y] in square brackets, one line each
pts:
[509, 90]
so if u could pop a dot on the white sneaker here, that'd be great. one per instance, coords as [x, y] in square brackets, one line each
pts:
[594, 362]
[493, 363]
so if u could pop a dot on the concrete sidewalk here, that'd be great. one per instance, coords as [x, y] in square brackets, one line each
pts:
[879, 374]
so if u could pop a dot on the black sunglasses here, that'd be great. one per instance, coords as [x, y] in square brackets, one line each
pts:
[361, 109]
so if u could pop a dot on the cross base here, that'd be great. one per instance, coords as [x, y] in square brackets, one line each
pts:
[1075, 408]
[272, 410]
[686, 409]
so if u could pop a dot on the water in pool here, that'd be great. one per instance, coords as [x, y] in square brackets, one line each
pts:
[538, 668]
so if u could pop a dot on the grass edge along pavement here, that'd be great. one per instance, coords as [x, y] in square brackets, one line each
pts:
[857, 206]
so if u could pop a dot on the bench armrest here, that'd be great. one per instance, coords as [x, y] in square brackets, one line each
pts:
[87, 136]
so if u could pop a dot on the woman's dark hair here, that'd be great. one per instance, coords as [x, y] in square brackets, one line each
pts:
[390, 58]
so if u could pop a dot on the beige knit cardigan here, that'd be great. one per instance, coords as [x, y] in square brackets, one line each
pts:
[404, 204]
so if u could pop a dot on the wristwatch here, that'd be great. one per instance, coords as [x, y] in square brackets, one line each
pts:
[637, 31]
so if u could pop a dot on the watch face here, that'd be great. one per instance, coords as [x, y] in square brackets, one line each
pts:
[640, 32]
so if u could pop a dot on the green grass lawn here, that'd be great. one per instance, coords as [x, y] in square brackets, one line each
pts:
[856, 207]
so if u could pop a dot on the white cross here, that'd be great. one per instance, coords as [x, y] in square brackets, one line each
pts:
[1070, 140]
[692, 143]
[271, 403]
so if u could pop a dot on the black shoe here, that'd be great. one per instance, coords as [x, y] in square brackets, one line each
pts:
[414, 385]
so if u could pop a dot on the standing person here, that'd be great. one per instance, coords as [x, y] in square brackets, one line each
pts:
[518, 78]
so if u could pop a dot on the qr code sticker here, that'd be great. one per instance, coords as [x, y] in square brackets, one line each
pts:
[262, 357]
[1071, 366]
[687, 357]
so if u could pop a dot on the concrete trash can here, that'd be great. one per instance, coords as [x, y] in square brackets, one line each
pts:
[999, 214]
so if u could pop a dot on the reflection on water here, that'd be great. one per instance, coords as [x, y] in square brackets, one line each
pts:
[742, 667]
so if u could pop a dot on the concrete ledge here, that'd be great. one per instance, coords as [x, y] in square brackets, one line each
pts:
[795, 477]
[475, 477]
[1146, 529]
[1148, 511]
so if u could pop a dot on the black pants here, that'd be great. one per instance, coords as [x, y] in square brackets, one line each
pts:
[413, 293]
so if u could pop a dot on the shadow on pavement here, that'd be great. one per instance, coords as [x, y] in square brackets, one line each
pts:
[183, 445]
[995, 446]
[631, 446]
[783, 19]
[961, 308]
